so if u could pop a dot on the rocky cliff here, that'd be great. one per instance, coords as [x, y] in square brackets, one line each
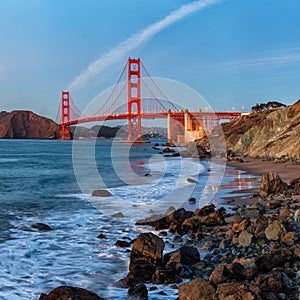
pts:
[271, 134]
[21, 124]
[267, 134]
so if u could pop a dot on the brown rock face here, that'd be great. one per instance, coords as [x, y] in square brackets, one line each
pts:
[266, 134]
[185, 255]
[295, 185]
[271, 183]
[145, 257]
[194, 223]
[70, 293]
[27, 125]
[197, 289]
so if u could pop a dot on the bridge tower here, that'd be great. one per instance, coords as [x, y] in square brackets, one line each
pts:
[134, 98]
[65, 115]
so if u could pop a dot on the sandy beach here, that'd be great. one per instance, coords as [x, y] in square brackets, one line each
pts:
[286, 170]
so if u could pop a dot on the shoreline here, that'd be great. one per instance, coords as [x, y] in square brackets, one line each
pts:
[256, 166]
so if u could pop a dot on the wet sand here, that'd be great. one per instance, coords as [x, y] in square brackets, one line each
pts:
[286, 170]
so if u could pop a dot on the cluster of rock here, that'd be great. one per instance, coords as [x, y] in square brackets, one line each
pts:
[253, 253]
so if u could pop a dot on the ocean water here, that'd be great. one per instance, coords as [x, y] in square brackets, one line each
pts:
[51, 182]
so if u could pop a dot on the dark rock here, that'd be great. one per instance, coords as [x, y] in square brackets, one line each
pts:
[261, 224]
[269, 283]
[186, 255]
[190, 180]
[192, 200]
[123, 244]
[241, 272]
[240, 224]
[138, 292]
[267, 262]
[235, 291]
[165, 276]
[170, 221]
[254, 211]
[42, 227]
[70, 293]
[101, 193]
[101, 236]
[118, 215]
[197, 289]
[168, 150]
[295, 185]
[145, 256]
[271, 183]
[204, 211]
[221, 274]
[194, 223]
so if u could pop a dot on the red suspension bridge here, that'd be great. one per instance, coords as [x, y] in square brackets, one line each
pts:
[137, 96]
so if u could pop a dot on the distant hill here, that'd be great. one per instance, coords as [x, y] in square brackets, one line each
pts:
[97, 131]
[20, 124]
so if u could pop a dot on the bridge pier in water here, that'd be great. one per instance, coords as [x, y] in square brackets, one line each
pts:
[184, 127]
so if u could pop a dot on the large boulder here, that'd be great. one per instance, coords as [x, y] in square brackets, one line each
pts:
[70, 293]
[271, 183]
[197, 289]
[145, 256]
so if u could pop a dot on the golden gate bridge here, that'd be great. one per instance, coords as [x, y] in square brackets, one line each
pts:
[126, 102]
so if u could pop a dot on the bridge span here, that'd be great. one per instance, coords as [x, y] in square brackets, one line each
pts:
[125, 103]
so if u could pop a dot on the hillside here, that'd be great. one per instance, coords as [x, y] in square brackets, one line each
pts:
[271, 134]
[21, 124]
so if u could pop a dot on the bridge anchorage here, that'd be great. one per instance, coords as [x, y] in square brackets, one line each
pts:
[136, 97]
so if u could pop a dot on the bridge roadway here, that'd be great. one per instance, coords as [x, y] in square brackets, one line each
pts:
[161, 115]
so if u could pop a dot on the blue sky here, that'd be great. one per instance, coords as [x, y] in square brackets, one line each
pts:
[235, 53]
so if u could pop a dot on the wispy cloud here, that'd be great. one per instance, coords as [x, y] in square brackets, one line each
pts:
[277, 58]
[122, 50]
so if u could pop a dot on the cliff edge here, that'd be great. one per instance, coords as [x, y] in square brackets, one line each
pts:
[273, 134]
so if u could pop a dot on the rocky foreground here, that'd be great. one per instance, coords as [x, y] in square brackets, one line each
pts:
[252, 252]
